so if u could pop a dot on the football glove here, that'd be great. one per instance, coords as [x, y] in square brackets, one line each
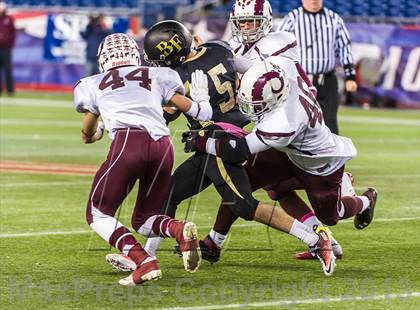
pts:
[194, 140]
[199, 90]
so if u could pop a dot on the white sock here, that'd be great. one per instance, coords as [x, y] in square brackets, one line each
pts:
[311, 222]
[217, 238]
[299, 230]
[347, 188]
[365, 201]
[152, 245]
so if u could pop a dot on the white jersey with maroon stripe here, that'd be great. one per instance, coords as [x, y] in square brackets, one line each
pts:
[273, 44]
[298, 129]
[129, 97]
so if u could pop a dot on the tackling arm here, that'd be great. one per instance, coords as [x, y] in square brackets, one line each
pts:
[231, 151]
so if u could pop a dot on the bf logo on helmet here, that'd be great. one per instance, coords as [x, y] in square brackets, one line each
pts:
[167, 47]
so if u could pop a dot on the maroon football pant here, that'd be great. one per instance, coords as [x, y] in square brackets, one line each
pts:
[133, 155]
[273, 171]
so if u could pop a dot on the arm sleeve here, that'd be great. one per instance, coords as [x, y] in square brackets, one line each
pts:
[201, 111]
[84, 100]
[343, 50]
[235, 151]
[287, 23]
[170, 83]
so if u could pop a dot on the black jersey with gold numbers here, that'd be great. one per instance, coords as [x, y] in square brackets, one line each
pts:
[216, 60]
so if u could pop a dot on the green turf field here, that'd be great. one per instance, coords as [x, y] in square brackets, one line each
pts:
[50, 259]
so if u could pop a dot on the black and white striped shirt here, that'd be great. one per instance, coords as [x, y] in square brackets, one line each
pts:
[322, 38]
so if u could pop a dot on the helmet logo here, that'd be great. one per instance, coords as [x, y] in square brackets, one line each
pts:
[272, 77]
[167, 47]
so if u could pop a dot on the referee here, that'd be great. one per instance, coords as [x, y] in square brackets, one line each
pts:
[323, 39]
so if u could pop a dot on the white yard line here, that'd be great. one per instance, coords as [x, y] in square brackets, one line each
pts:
[79, 232]
[36, 184]
[40, 122]
[301, 301]
[378, 120]
[37, 102]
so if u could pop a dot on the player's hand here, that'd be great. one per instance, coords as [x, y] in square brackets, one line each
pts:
[351, 86]
[194, 140]
[189, 139]
[199, 89]
[100, 128]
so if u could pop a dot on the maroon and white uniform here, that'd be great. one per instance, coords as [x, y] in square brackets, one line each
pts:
[129, 100]
[279, 43]
[297, 150]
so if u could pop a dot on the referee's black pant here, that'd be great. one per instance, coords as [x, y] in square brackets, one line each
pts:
[327, 87]
[6, 70]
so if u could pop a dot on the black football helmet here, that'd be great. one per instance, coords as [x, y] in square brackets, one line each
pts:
[167, 44]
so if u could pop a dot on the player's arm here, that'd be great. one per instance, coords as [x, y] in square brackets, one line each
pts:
[92, 128]
[199, 107]
[232, 151]
[170, 114]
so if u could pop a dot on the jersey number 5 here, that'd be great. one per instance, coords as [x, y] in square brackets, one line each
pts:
[222, 87]
[113, 79]
[309, 103]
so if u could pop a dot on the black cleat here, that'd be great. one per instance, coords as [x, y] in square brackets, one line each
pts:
[363, 219]
[209, 250]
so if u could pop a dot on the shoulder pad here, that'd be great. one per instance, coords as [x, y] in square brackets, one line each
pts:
[217, 43]
[279, 42]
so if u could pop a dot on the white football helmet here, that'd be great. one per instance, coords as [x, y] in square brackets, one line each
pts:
[116, 50]
[257, 12]
[264, 87]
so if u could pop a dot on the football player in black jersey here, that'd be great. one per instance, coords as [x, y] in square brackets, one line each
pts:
[170, 44]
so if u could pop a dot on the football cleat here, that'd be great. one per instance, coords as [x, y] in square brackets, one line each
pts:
[210, 251]
[363, 219]
[147, 271]
[121, 262]
[186, 236]
[335, 246]
[323, 250]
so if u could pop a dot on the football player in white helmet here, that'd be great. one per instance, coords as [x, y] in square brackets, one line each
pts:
[253, 41]
[129, 98]
[304, 152]
[251, 23]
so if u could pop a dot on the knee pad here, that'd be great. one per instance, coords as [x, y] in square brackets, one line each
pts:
[243, 208]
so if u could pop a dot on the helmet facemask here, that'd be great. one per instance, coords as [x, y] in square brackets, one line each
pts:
[258, 13]
[260, 27]
[264, 88]
[255, 109]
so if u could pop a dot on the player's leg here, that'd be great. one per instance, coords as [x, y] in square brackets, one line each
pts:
[111, 185]
[291, 202]
[225, 218]
[324, 193]
[187, 181]
[147, 217]
[231, 181]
